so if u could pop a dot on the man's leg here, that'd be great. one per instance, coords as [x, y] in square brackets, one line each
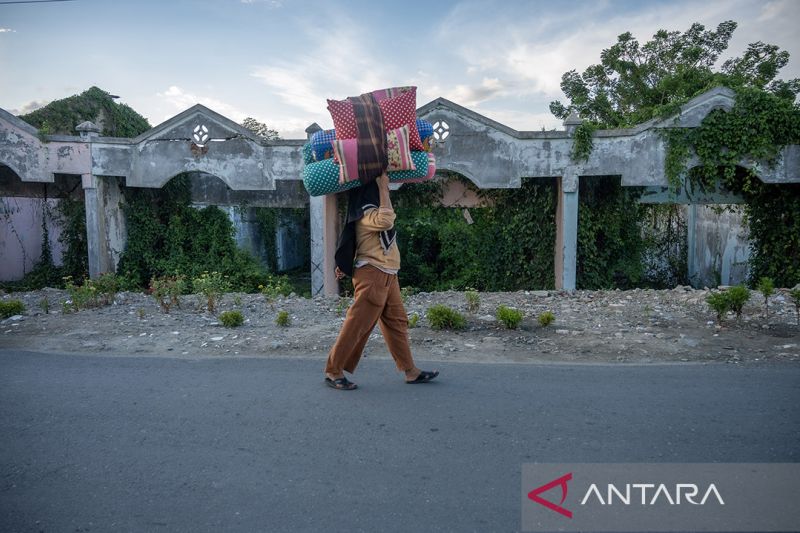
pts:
[359, 322]
[394, 326]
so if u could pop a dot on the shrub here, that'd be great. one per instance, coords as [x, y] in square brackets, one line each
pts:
[166, 290]
[766, 287]
[720, 303]
[442, 317]
[276, 286]
[82, 296]
[737, 297]
[413, 320]
[10, 308]
[212, 286]
[509, 317]
[44, 304]
[794, 294]
[231, 319]
[107, 286]
[283, 319]
[473, 300]
[407, 292]
[546, 318]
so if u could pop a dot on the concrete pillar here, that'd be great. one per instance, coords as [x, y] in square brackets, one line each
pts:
[106, 233]
[323, 245]
[323, 218]
[566, 250]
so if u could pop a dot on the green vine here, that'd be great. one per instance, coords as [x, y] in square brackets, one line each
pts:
[166, 235]
[96, 105]
[754, 131]
[583, 142]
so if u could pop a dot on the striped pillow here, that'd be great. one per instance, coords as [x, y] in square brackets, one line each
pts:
[345, 153]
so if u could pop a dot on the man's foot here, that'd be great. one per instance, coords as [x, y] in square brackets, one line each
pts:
[423, 377]
[341, 383]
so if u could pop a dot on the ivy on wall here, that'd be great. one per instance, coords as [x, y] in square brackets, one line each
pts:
[167, 236]
[756, 129]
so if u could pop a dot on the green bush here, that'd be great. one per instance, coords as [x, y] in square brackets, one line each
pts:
[107, 286]
[473, 300]
[413, 320]
[737, 297]
[511, 318]
[720, 303]
[231, 319]
[83, 296]
[10, 308]
[546, 318]
[443, 317]
[283, 319]
[767, 288]
[167, 290]
[275, 286]
[211, 286]
[794, 294]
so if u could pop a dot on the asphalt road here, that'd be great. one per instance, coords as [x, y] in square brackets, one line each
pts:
[157, 444]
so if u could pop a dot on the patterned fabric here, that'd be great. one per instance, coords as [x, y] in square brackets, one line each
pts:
[424, 127]
[322, 177]
[321, 144]
[372, 160]
[345, 154]
[398, 150]
[398, 111]
[385, 94]
[428, 176]
[307, 157]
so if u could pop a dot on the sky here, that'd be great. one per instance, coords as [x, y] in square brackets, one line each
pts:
[279, 60]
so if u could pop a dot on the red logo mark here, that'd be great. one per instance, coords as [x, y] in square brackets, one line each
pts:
[562, 481]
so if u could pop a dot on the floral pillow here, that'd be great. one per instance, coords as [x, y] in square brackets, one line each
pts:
[345, 153]
[397, 111]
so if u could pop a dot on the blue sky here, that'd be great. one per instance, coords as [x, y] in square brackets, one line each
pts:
[278, 60]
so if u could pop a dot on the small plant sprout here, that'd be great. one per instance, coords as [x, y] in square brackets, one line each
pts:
[231, 319]
[413, 320]
[283, 319]
[737, 297]
[443, 317]
[766, 287]
[720, 303]
[546, 318]
[473, 300]
[510, 318]
[794, 294]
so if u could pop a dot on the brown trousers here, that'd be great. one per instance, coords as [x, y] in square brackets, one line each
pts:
[377, 298]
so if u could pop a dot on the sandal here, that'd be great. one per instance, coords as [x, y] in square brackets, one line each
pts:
[340, 384]
[424, 377]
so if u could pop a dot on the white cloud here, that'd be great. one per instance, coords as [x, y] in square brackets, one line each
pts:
[7, 30]
[181, 100]
[33, 105]
[274, 4]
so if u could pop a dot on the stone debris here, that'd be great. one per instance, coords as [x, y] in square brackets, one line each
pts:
[598, 326]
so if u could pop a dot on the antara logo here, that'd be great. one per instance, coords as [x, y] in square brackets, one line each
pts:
[631, 494]
[562, 481]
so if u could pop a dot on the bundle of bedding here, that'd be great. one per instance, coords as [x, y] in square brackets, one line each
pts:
[354, 152]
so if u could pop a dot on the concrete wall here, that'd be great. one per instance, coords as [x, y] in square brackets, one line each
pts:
[719, 248]
[21, 235]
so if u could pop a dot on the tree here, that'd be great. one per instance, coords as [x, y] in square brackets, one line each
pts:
[634, 83]
[260, 129]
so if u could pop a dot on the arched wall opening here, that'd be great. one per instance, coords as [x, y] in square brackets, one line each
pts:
[252, 233]
[453, 235]
[32, 212]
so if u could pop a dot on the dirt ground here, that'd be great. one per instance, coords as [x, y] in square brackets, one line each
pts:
[639, 326]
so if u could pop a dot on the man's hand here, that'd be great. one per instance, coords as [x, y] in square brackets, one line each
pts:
[383, 181]
[339, 273]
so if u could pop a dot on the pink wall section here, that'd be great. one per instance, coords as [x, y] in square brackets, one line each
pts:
[21, 235]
